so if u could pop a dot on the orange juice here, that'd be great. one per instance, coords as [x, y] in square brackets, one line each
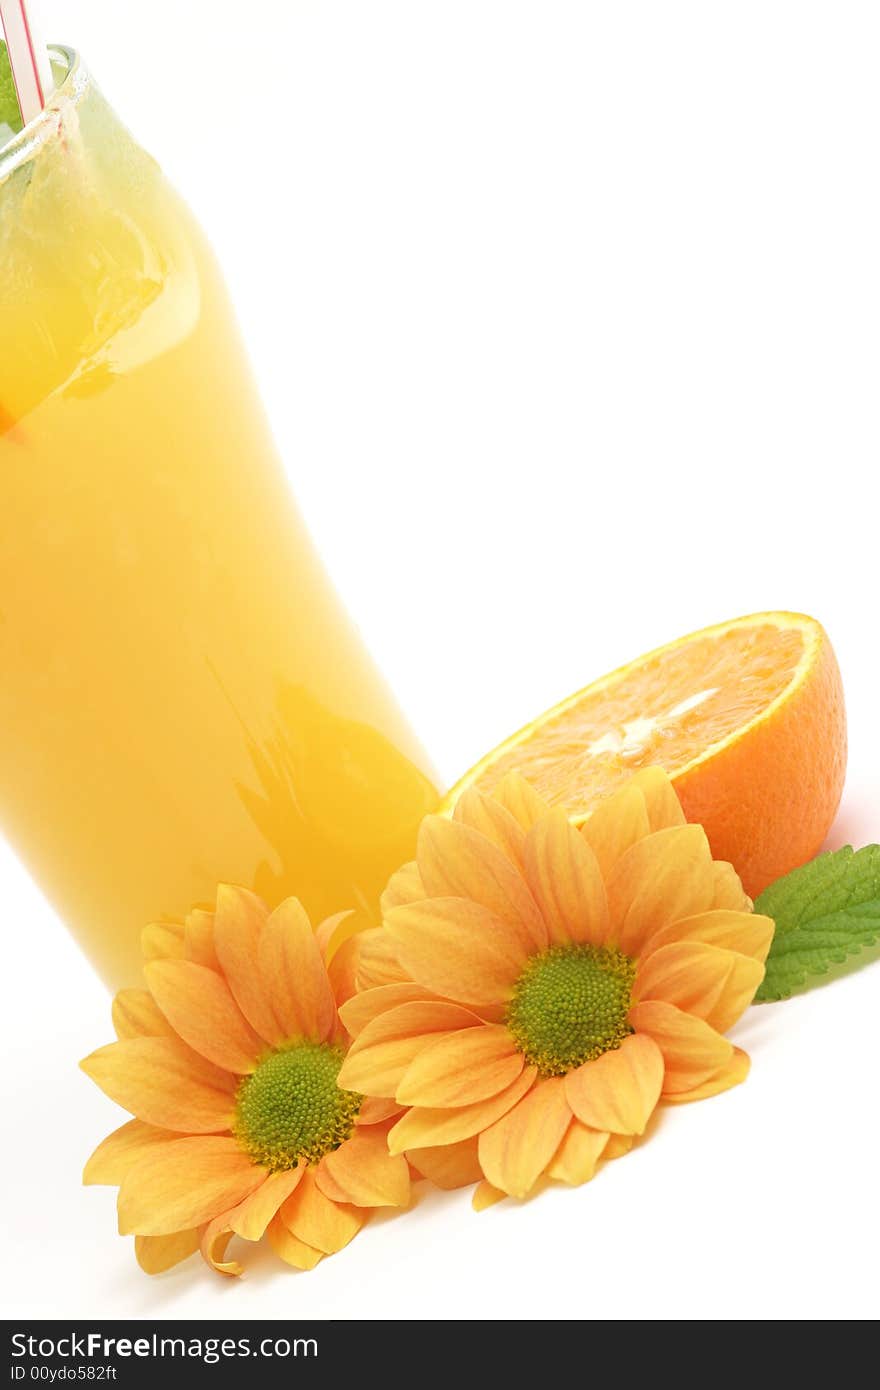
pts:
[182, 698]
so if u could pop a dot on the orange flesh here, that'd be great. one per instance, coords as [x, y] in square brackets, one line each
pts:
[670, 708]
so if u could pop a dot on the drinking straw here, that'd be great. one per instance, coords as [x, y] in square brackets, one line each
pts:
[28, 57]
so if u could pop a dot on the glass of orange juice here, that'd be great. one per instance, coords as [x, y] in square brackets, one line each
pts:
[182, 698]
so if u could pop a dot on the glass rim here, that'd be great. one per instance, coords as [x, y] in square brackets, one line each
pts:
[28, 141]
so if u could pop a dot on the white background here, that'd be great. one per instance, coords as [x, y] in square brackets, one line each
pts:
[566, 316]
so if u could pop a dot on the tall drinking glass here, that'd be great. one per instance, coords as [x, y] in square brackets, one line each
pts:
[182, 698]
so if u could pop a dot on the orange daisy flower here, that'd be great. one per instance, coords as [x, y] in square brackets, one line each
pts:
[229, 1064]
[537, 988]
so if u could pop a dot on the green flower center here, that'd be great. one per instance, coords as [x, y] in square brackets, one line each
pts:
[290, 1110]
[570, 1005]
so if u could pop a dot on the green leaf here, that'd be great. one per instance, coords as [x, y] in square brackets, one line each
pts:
[824, 912]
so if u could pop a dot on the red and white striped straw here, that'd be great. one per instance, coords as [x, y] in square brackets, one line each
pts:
[28, 58]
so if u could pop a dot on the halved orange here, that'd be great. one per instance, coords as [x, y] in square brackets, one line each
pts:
[747, 717]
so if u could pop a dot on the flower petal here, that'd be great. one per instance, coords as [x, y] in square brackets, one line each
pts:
[333, 932]
[238, 926]
[185, 1184]
[746, 932]
[215, 1238]
[289, 1249]
[317, 1221]
[360, 1010]
[577, 1156]
[198, 939]
[162, 941]
[686, 973]
[164, 1082]
[294, 975]
[418, 1018]
[729, 891]
[617, 822]
[619, 1090]
[342, 974]
[515, 1151]
[715, 984]
[375, 1110]
[461, 1068]
[422, 1128]
[329, 1186]
[486, 1196]
[731, 1074]
[364, 1170]
[449, 1165]
[662, 878]
[251, 1217]
[381, 1053]
[137, 1015]
[692, 1051]
[646, 803]
[494, 821]
[458, 862]
[661, 801]
[564, 877]
[404, 886]
[457, 948]
[618, 1146]
[377, 1071]
[199, 1005]
[378, 962]
[121, 1150]
[155, 1254]
[519, 797]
